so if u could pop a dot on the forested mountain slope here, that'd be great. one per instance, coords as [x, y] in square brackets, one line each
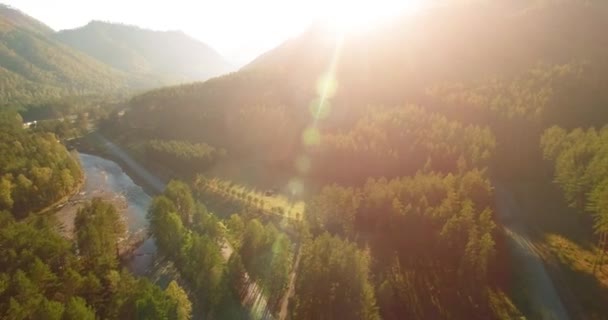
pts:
[33, 66]
[401, 125]
[38, 65]
[460, 42]
[15, 17]
[540, 56]
[35, 169]
[168, 57]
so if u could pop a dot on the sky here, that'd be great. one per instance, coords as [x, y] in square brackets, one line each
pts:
[240, 30]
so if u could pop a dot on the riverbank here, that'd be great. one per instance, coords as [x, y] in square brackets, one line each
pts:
[106, 179]
[67, 213]
[63, 200]
[95, 144]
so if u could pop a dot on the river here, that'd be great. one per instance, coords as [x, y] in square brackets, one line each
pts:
[105, 178]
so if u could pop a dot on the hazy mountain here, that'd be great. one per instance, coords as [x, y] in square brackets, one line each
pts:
[17, 18]
[170, 56]
[458, 42]
[37, 63]
[394, 64]
[34, 66]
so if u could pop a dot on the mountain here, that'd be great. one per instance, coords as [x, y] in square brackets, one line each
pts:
[476, 63]
[17, 18]
[394, 64]
[34, 66]
[460, 42]
[38, 64]
[171, 56]
[485, 78]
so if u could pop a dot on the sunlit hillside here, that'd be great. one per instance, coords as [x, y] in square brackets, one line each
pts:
[390, 160]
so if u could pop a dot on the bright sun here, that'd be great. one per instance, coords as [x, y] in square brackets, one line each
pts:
[348, 15]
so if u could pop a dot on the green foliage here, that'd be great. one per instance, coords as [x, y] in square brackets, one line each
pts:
[77, 309]
[41, 277]
[502, 306]
[429, 238]
[581, 169]
[35, 169]
[334, 282]
[182, 156]
[98, 230]
[566, 94]
[151, 304]
[166, 226]
[264, 107]
[400, 141]
[181, 308]
[35, 67]
[187, 234]
[236, 227]
[267, 255]
[430, 219]
[179, 193]
[262, 255]
[334, 210]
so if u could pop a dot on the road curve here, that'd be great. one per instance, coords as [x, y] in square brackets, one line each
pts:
[542, 295]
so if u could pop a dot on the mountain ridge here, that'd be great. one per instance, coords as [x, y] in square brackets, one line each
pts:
[172, 56]
[38, 64]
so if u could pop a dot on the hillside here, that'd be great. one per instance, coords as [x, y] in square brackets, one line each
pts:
[401, 62]
[461, 42]
[33, 66]
[17, 18]
[399, 141]
[167, 57]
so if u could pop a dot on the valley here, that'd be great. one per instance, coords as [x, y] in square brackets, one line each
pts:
[445, 163]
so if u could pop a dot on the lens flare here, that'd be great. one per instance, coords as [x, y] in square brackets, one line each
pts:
[311, 137]
[327, 85]
[319, 109]
[356, 15]
[303, 164]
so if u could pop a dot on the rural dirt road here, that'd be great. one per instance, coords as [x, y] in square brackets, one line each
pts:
[541, 293]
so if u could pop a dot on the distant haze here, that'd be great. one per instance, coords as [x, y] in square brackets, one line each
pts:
[239, 29]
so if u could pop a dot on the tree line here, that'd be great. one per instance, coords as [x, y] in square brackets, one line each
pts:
[182, 156]
[399, 141]
[35, 168]
[196, 241]
[580, 159]
[420, 233]
[44, 276]
[191, 238]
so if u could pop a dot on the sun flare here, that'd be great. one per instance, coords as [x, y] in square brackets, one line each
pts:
[345, 15]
